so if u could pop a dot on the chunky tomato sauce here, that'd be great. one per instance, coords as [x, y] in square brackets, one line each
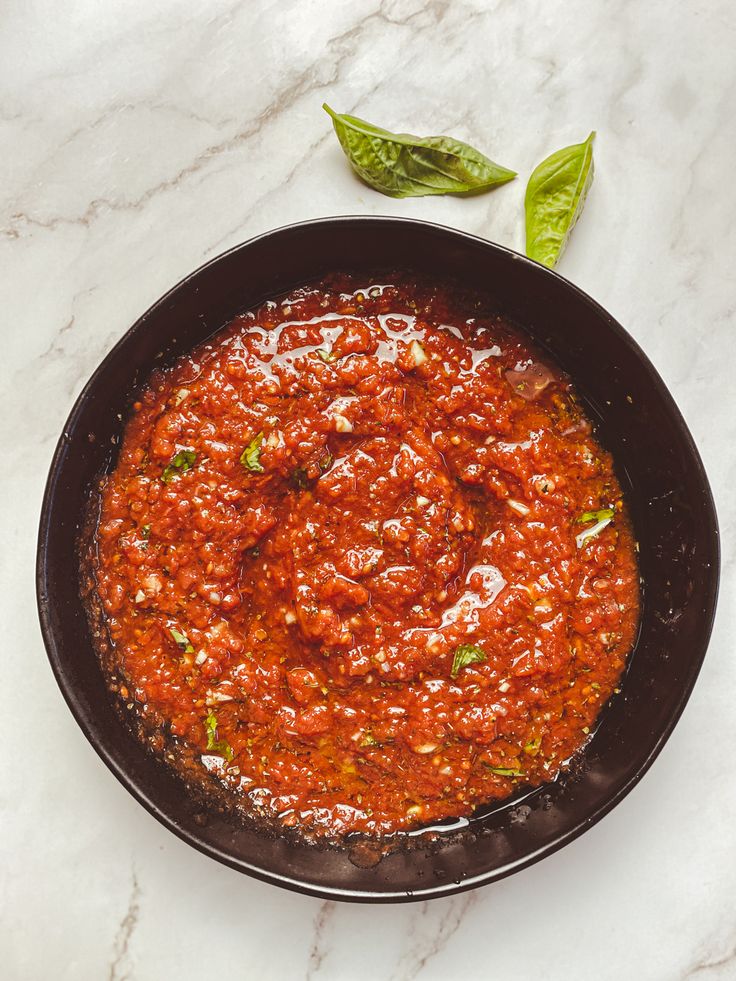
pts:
[362, 558]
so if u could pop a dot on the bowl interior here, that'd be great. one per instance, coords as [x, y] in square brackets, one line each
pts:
[657, 463]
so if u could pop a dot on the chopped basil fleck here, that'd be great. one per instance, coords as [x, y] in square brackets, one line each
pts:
[220, 746]
[600, 515]
[602, 519]
[466, 654]
[532, 747]
[181, 640]
[503, 771]
[180, 463]
[251, 455]
[327, 356]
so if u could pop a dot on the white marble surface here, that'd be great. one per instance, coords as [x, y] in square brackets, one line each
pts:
[141, 137]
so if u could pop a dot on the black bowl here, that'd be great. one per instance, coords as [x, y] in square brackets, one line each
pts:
[659, 468]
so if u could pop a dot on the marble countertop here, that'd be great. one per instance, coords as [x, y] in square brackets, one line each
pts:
[140, 139]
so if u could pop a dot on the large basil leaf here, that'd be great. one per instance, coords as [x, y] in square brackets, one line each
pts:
[554, 199]
[404, 166]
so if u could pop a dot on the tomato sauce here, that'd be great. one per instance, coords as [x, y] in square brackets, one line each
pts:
[362, 558]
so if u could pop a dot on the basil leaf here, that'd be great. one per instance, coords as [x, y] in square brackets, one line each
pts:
[588, 534]
[405, 166]
[181, 640]
[251, 455]
[466, 654]
[554, 199]
[587, 516]
[181, 462]
[325, 355]
[220, 746]
[502, 771]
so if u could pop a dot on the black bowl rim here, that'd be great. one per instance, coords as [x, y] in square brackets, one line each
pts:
[439, 890]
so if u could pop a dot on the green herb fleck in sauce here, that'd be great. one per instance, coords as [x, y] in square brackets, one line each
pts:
[466, 654]
[180, 463]
[251, 455]
[220, 746]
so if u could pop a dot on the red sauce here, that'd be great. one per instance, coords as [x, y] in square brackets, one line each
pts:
[345, 560]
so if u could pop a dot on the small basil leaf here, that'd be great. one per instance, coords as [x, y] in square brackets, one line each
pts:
[181, 462]
[588, 534]
[587, 516]
[251, 455]
[554, 200]
[404, 166]
[466, 654]
[181, 640]
[503, 771]
[220, 746]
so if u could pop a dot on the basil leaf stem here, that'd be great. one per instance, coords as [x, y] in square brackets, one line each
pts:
[401, 165]
[555, 196]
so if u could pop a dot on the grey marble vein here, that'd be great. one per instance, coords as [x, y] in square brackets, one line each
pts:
[120, 964]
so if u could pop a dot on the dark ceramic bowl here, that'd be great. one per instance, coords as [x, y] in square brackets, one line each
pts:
[659, 468]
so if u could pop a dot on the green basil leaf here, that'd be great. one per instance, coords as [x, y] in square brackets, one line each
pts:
[181, 640]
[181, 462]
[503, 771]
[220, 746]
[466, 654]
[588, 534]
[325, 355]
[251, 455]
[554, 199]
[587, 516]
[405, 166]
